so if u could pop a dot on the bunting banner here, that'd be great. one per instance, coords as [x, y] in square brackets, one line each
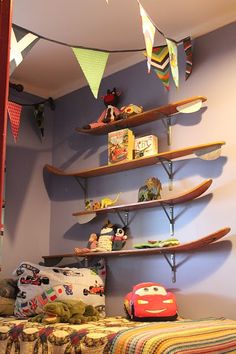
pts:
[161, 64]
[39, 117]
[22, 42]
[93, 64]
[149, 34]
[14, 111]
[187, 43]
[173, 54]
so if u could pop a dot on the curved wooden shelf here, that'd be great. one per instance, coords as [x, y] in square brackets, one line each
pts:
[184, 247]
[179, 198]
[141, 162]
[142, 118]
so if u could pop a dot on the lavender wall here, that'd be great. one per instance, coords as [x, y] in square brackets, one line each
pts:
[205, 285]
[27, 214]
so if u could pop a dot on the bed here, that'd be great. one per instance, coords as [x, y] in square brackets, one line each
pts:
[117, 335]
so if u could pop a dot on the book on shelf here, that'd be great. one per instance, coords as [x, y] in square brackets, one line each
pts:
[145, 146]
[120, 146]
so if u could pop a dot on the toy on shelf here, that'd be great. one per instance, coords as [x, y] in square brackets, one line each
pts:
[150, 191]
[129, 110]
[145, 146]
[120, 146]
[112, 237]
[100, 204]
[158, 244]
[105, 202]
[111, 99]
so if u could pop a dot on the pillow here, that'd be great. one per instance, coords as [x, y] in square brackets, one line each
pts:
[39, 285]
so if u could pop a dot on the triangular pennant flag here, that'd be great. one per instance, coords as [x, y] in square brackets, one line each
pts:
[187, 43]
[172, 47]
[161, 64]
[93, 64]
[149, 34]
[39, 116]
[22, 42]
[14, 111]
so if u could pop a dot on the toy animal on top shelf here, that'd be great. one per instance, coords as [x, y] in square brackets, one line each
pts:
[100, 204]
[150, 191]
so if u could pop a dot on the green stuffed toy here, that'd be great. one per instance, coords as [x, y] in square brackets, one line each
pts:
[72, 311]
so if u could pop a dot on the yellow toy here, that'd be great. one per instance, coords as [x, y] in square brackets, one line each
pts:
[105, 202]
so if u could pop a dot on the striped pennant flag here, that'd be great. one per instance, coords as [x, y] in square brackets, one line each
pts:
[173, 54]
[160, 63]
[187, 43]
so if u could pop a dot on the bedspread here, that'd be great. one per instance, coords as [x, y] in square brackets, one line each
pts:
[117, 335]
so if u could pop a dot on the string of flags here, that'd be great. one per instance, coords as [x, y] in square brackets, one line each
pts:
[162, 59]
[14, 113]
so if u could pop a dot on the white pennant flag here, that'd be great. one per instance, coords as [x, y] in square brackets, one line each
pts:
[149, 34]
[22, 42]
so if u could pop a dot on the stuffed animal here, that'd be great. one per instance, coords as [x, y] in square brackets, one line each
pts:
[72, 311]
[119, 238]
[150, 301]
[150, 191]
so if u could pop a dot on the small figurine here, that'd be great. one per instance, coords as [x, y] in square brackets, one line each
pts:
[96, 205]
[129, 110]
[150, 191]
[105, 202]
[88, 204]
[93, 241]
[119, 238]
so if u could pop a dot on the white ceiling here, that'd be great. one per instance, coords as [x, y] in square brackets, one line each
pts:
[51, 69]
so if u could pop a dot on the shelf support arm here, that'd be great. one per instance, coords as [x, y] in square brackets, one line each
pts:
[167, 124]
[169, 170]
[125, 221]
[172, 263]
[84, 186]
[170, 217]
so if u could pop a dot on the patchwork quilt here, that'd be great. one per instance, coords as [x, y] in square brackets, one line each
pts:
[117, 335]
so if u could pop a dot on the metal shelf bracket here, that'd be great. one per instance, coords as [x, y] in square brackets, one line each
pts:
[170, 217]
[172, 263]
[167, 124]
[168, 167]
[84, 186]
[125, 220]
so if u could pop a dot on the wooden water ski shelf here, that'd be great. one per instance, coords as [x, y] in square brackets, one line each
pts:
[184, 247]
[179, 198]
[143, 118]
[141, 162]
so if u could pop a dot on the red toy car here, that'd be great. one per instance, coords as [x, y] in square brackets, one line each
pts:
[150, 301]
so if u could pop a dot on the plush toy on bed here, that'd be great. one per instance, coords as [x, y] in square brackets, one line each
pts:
[150, 302]
[72, 311]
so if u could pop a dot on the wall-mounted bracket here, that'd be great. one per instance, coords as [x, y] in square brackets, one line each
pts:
[172, 263]
[168, 167]
[170, 217]
[125, 220]
[167, 124]
[84, 186]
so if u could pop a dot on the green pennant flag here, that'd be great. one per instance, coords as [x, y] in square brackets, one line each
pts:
[93, 64]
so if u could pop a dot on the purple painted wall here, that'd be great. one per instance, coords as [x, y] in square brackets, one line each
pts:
[27, 215]
[205, 284]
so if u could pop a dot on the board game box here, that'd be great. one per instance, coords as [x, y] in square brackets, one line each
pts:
[145, 146]
[120, 146]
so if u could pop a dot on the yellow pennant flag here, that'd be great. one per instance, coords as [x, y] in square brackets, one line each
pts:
[149, 34]
[93, 64]
[173, 54]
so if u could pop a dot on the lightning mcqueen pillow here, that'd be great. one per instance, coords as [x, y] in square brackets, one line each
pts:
[151, 302]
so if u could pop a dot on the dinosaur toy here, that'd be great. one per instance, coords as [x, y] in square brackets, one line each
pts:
[105, 202]
[72, 311]
[150, 191]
